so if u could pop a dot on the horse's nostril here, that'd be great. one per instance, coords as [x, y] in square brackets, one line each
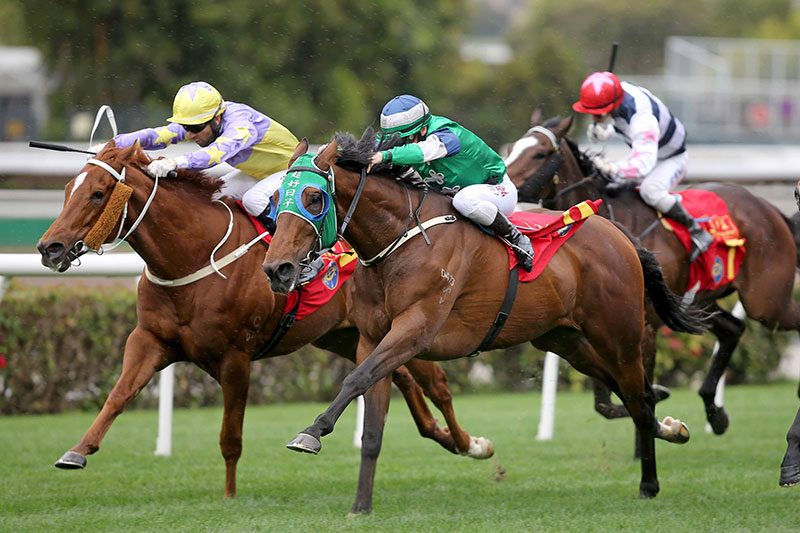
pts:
[285, 270]
[53, 250]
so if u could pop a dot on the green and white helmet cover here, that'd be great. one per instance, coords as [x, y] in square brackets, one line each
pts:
[404, 115]
[302, 175]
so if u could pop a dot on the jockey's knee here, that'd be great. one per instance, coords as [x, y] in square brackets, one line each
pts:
[657, 197]
[255, 201]
[481, 211]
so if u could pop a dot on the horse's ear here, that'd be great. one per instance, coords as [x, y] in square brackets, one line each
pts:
[537, 116]
[300, 149]
[327, 156]
[563, 126]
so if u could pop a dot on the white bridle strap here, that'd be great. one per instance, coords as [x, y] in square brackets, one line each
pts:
[547, 133]
[110, 115]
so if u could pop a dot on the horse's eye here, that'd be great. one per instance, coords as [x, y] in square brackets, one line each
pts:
[315, 203]
[539, 155]
[98, 195]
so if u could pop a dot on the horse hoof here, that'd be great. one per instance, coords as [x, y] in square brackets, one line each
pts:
[673, 430]
[790, 475]
[306, 443]
[480, 448]
[719, 421]
[649, 492]
[660, 392]
[71, 461]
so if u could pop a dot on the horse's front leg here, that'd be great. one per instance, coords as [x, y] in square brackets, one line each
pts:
[790, 467]
[144, 355]
[234, 378]
[409, 335]
[376, 405]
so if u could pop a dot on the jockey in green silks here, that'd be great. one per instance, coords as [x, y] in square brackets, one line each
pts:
[454, 160]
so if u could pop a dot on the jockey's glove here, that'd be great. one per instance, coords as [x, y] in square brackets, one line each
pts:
[161, 167]
[602, 166]
[599, 132]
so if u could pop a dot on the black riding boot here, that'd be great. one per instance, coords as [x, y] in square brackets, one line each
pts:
[519, 243]
[701, 239]
[268, 223]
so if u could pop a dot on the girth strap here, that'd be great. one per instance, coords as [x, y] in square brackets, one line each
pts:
[502, 315]
[283, 326]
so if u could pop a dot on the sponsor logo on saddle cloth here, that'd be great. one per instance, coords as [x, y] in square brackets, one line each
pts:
[331, 277]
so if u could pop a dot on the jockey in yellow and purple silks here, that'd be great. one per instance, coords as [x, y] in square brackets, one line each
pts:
[227, 132]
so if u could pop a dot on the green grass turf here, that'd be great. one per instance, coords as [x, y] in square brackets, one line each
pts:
[583, 480]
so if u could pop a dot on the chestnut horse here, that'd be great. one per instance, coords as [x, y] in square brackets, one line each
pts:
[438, 301]
[546, 165]
[218, 323]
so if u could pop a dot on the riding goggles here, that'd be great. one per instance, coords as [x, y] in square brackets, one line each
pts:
[302, 175]
[195, 128]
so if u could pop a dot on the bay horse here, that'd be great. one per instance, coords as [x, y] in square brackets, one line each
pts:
[790, 466]
[218, 323]
[547, 166]
[437, 301]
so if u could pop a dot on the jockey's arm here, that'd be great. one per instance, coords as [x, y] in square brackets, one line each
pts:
[438, 144]
[152, 138]
[233, 139]
[642, 158]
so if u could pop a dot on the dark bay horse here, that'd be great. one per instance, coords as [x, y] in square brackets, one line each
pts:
[546, 165]
[216, 323]
[790, 467]
[438, 302]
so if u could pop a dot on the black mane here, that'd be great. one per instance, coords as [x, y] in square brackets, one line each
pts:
[356, 154]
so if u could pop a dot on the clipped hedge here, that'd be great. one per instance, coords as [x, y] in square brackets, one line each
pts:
[63, 349]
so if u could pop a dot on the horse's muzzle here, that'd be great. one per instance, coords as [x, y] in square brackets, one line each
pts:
[282, 276]
[55, 255]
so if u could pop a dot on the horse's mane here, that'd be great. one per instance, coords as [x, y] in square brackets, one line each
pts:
[355, 154]
[132, 155]
[584, 158]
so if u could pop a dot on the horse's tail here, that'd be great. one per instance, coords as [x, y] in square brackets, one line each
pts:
[668, 305]
[794, 225]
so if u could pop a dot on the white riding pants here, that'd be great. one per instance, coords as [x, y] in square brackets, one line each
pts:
[253, 193]
[655, 187]
[481, 202]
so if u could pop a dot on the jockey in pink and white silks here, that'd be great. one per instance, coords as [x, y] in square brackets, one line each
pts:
[227, 132]
[658, 157]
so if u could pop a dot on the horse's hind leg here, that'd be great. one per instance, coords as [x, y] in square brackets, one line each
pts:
[234, 378]
[433, 381]
[728, 330]
[143, 356]
[790, 467]
[604, 404]
[423, 418]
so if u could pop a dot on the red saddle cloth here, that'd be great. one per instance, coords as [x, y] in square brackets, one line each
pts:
[720, 264]
[548, 233]
[340, 263]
